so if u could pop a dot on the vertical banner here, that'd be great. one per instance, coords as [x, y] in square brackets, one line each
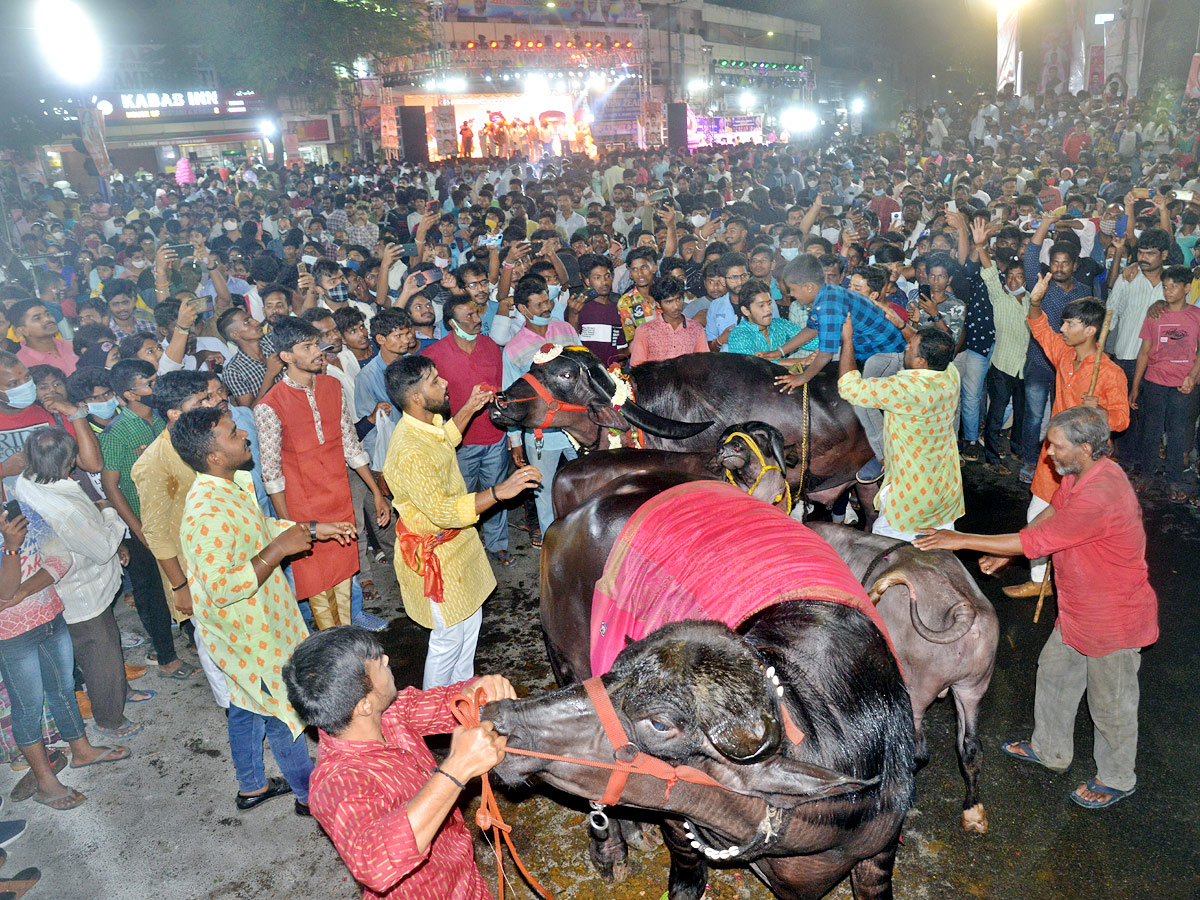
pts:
[1192, 91]
[445, 131]
[1008, 26]
[1095, 80]
[1077, 46]
[91, 130]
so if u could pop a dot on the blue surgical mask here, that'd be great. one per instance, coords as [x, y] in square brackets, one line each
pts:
[462, 334]
[540, 321]
[21, 396]
[351, 264]
[553, 290]
[789, 253]
[105, 409]
[1075, 212]
[878, 192]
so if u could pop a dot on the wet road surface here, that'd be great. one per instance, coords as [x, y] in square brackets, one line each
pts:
[1040, 845]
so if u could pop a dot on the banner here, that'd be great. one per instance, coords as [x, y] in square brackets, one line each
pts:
[1095, 80]
[1077, 46]
[582, 12]
[91, 129]
[445, 131]
[1192, 91]
[1008, 44]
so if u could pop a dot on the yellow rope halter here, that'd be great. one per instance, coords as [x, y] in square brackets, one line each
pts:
[765, 467]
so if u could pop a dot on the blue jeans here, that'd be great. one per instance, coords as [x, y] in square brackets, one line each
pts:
[484, 466]
[972, 368]
[1039, 389]
[41, 664]
[246, 732]
[551, 458]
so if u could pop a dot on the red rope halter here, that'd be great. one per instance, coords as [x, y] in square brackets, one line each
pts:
[553, 407]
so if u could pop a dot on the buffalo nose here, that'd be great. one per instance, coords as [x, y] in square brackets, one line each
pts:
[502, 714]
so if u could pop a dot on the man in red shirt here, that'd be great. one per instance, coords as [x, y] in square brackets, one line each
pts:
[1107, 610]
[378, 792]
[465, 357]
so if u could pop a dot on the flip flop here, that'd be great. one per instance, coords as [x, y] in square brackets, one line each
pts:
[133, 699]
[127, 730]
[502, 558]
[27, 786]
[183, 673]
[997, 468]
[110, 754]
[19, 884]
[535, 539]
[70, 800]
[1026, 754]
[1114, 796]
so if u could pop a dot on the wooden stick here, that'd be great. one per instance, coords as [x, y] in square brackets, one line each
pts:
[1042, 593]
[1100, 341]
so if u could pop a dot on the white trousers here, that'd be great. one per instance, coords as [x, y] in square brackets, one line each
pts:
[884, 527]
[1037, 567]
[451, 655]
[216, 678]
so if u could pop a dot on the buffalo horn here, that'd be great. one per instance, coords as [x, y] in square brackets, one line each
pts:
[652, 423]
[962, 612]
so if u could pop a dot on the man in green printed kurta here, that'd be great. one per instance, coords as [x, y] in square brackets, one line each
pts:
[249, 615]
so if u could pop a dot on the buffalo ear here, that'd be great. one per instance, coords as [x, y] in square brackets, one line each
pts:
[787, 782]
[740, 718]
[606, 415]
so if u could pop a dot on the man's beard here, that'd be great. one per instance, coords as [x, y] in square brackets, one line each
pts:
[275, 318]
[1066, 468]
[442, 407]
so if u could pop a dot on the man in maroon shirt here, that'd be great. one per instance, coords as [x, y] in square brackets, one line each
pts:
[1107, 611]
[465, 358]
[378, 792]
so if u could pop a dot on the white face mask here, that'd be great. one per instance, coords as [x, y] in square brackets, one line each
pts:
[699, 220]
[138, 263]
[831, 234]
[789, 253]
[309, 260]
[441, 262]
[229, 224]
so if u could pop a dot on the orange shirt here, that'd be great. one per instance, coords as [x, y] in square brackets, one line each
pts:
[1071, 381]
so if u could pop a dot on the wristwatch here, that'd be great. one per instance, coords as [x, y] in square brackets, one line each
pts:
[312, 531]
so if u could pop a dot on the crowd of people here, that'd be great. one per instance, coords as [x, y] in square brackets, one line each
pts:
[229, 399]
[497, 137]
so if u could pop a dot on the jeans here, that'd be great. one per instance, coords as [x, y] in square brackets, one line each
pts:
[39, 665]
[246, 732]
[148, 598]
[972, 369]
[482, 467]
[1129, 442]
[1166, 409]
[881, 365]
[1001, 388]
[1039, 390]
[547, 463]
[1111, 683]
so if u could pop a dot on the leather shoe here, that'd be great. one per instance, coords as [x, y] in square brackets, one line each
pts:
[303, 810]
[276, 787]
[1028, 589]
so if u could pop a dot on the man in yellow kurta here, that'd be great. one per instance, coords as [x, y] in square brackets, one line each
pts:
[443, 572]
[922, 487]
[248, 613]
[163, 480]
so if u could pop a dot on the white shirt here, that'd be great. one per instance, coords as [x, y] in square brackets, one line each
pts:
[1129, 301]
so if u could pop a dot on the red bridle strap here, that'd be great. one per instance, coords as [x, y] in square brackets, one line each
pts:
[553, 407]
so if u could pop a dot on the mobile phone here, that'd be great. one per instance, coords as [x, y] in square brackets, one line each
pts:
[535, 247]
[657, 196]
[951, 206]
[1185, 196]
[301, 268]
[428, 277]
[181, 249]
[897, 218]
[491, 241]
[1141, 193]
[431, 206]
[13, 508]
[1122, 224]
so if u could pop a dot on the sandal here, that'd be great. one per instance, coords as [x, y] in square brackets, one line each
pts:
[368, 590]
[125, 730]
[502, 558]
[1026, 476]
[110, 754]
[1194, 500]
[16, 887]
[71, 799]
[535, 539]
[1176, 493]
[997, 468]
[183, 673]
[146, 695]
[27, 786]
[1023, 751]
[1112, 794]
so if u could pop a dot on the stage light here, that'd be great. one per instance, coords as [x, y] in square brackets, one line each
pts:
[69, 40]
[746, 100]
[596, 81]
[470, 45]
[857, 105]
[536, 83]
[494, 45]
[587, 45]
[487, 78]
[455, 85]
[629, 45]
[558, 45]
[697, 85]
[266, 127]
[798, 118]
[517, 44]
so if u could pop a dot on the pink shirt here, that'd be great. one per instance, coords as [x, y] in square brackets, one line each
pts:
[462, 371]
[656, 340]
[63, 356]
[1173, 339]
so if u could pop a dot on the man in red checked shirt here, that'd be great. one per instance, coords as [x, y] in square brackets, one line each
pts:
[1107, 611]
[378, 792]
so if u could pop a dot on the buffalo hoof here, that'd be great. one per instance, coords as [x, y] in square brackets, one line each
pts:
[975, 819]
[614, 871]
[644, 838]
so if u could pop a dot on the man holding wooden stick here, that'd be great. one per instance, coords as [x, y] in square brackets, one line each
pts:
[1084, 376]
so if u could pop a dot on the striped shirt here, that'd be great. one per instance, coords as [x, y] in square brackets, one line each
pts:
[1129, 301]
[1012, 330]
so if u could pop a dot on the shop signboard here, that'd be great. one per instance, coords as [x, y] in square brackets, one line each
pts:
[135, 106]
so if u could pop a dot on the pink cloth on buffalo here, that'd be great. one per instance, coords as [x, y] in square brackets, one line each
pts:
[706, 550]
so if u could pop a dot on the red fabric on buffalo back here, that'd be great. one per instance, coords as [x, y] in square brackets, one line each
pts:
[706, 550]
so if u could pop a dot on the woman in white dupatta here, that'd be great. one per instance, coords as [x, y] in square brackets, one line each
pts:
[91, 536]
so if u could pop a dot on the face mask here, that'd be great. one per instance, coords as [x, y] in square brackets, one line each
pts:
[540, 321]
[339, 293]
[639, 196]
[1137, 232]
[22, 396]
[462, 334]
[104, 410]
[1018, 292]
[831, 234]
[789, 253]
[878, 192]
[352, 264]
[441, 262]
[699, 221]
[1074, 212]
[309, 260]
[553, 290]
[229, 224]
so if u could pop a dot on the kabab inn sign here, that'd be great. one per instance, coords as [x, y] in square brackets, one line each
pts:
[178, 104]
